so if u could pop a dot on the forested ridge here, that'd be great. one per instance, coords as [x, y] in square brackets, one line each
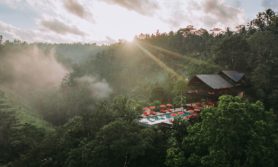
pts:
[77, 104]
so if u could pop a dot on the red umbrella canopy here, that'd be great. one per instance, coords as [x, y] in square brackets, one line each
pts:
[146, 113]
[146, 108]
[180, 113]
[152, 107]
[153, 113]
[173, 114]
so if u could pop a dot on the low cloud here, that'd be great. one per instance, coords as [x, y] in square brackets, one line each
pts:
[98, 88]
[144, 7]
[178, 15]
[220, 12]
[60, 27]
[207, 13]
[11, 32]
[30, 71]
[43, 34]
[77, 9]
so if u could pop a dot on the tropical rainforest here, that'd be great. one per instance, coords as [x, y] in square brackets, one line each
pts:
[76, 104]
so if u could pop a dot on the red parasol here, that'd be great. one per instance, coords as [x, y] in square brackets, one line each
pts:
[180, 113]
[152, 107]
[173, 114]
[162, 105]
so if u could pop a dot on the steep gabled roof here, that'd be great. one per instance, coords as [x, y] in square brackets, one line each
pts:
[233, 75]
[214, 81]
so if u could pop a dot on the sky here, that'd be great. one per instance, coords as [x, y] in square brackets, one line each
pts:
[107, 21]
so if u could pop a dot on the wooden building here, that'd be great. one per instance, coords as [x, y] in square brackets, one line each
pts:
[209, 87]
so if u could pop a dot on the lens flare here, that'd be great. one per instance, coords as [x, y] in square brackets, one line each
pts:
[180, 56]
[158, 61]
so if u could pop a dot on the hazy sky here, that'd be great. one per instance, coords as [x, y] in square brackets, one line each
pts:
[106, 21]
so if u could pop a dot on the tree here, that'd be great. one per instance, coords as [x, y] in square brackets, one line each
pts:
[117, 144]
[126, 109]
[8, 125]
[236, 133]
[265, 20]
[158, 93]
[264, 62]
[180, 100]
[233, 53]
[16, 139]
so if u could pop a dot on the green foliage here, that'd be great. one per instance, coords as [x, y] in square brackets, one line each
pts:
[265, 71]
[179, 87]
[125, 108]
[179, 100]
[116, 144]
[15, 138]
[236, 133]
[175, 157]
[233, 53]
[104, 136]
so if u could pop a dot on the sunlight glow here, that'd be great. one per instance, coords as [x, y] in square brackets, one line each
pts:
[180, 56]
[158, 61]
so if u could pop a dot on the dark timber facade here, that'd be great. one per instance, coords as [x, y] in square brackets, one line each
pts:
[208, 87]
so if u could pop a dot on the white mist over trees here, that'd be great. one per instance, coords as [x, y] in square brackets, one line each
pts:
[30, 70]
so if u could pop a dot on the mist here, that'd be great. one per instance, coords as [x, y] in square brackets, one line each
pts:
[32, 72]
[98, 88]
[28, 71]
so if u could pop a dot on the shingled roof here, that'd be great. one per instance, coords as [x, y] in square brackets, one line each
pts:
[214, 81]
[233, 75]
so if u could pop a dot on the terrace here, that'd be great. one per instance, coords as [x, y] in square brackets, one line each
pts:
[165, 113]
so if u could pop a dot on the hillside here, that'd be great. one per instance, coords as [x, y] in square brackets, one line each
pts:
[24, 115]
